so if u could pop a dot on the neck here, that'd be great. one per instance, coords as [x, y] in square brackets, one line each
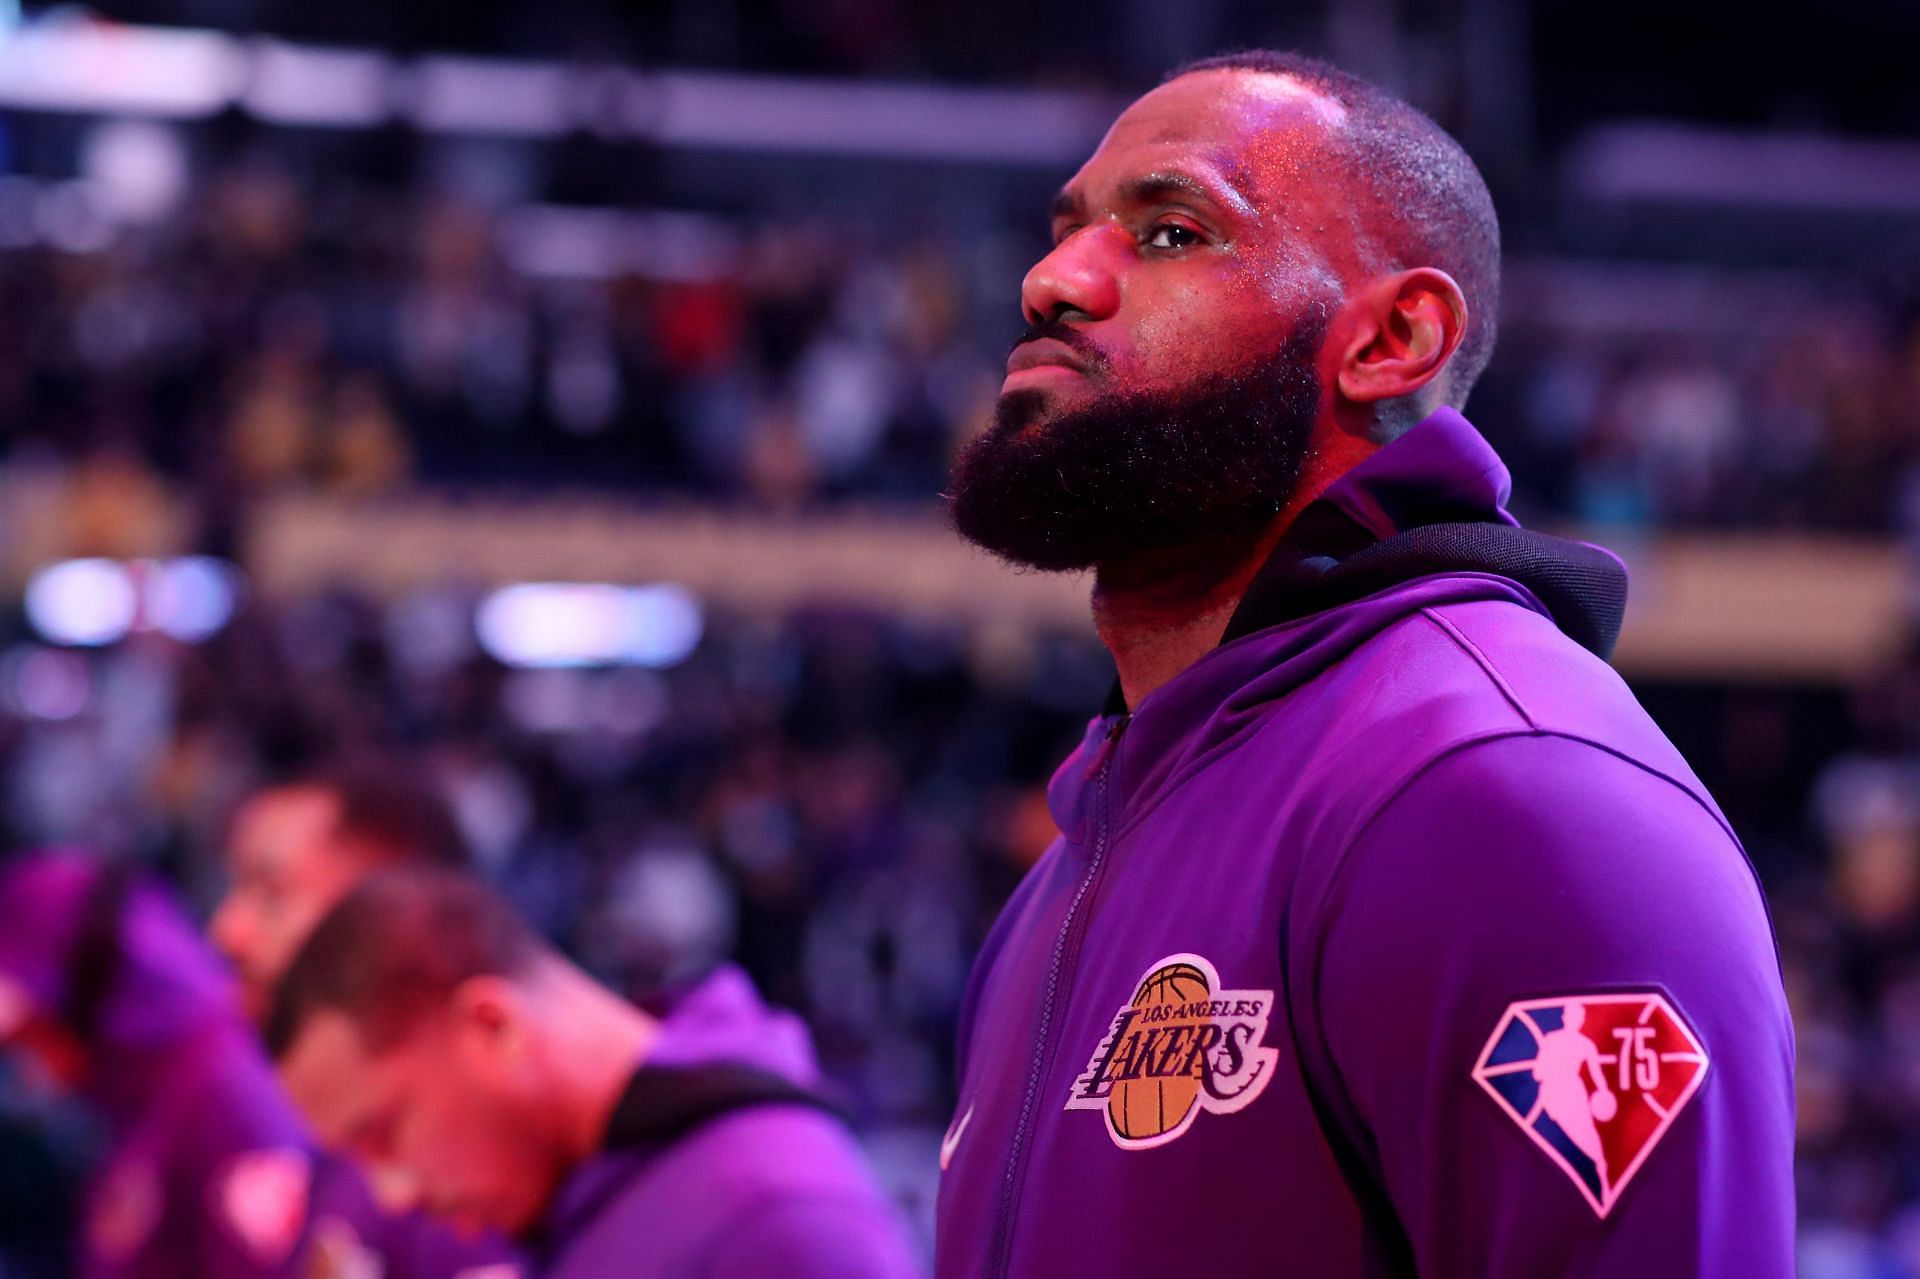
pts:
[596, 1041]
[1161, 611]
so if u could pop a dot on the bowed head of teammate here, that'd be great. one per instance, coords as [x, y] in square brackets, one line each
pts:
[426, 1030]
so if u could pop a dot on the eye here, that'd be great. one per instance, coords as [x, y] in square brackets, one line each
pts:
[1172, 235]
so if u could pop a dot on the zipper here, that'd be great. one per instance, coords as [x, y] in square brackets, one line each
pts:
[1100, 768]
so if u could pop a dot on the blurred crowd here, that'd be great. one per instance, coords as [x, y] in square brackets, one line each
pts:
[1847, 910]
[1815, 429]
[260, 338]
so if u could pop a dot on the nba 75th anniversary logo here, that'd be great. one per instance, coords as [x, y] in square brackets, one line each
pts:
[1181, 1045]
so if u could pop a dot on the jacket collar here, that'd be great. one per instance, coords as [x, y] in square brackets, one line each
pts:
[1422, 521]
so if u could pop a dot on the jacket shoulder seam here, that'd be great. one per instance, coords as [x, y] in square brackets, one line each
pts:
[1562, 735]
[1458, 639]
[1479, 657]
[1337, 874]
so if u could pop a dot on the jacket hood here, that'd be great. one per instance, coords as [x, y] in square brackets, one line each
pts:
[722, 1018]
[1422, 522]
[1432, 502]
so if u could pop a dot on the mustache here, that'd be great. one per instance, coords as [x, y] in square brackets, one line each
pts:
[1066, 335]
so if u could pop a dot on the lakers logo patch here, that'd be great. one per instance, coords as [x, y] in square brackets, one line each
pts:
[1595, 1081]
[1182, 1044]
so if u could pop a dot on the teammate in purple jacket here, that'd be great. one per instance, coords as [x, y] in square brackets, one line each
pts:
[1385, 935]
[292, 850]
[424, 1028]
[210, 1173]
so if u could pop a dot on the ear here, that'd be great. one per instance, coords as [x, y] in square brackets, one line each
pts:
[1406, 327]
[489, 1019]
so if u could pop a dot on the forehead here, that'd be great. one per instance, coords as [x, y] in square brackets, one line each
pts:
[1259, 130]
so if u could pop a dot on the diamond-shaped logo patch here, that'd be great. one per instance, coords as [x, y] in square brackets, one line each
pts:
[1595, 1080]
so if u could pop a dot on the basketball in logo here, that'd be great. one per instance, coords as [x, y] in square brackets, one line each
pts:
[1183, 1044]
[1147, 1107]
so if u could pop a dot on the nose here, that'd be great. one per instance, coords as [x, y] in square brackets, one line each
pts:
[1079, 280]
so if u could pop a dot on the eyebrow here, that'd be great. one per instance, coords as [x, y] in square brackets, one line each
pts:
[1151, 188]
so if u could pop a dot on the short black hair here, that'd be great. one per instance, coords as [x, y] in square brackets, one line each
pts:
[394, 949]
[1437, 210]
[390, 810]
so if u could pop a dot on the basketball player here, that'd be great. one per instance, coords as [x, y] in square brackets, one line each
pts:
[1367, 784]
[210, 1173]
[1564, 1054]
[425, 1029]
[292, 850]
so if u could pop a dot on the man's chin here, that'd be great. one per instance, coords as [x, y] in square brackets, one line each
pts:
[1071, 477]
[1026, 409]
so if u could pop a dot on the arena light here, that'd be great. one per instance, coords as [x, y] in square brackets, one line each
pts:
[68, 63]
[86, 602]
[844, 117]
[1756, 169]
[308, 84]
[79, 65]
[137, 170]
[193, 597]
[547, 625]
[501, 96]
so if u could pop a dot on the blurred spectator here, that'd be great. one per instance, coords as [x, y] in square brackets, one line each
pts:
[257, 340]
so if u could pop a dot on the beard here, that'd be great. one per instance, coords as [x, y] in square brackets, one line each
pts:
[1127, 475]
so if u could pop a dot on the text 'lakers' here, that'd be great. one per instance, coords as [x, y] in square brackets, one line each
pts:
[1180, 1046]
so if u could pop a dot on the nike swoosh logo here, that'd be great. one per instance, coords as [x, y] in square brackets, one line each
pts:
[951, 1142]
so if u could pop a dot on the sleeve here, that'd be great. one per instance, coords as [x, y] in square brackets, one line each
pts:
[815, 1238]
[1551, 1021]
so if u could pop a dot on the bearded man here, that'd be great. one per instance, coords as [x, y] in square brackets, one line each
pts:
[1369, 818]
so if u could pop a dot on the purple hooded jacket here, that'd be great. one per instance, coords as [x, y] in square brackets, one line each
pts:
[765, 1190]
[1391, 938]
[211, 1174]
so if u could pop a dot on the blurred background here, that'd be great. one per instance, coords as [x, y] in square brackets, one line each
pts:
[560, 392]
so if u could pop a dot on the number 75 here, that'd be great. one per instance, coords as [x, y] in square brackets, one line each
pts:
[1639, 1063]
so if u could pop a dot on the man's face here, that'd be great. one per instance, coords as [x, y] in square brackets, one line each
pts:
[1197, 256]
[286, 868]
[443, 1121]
